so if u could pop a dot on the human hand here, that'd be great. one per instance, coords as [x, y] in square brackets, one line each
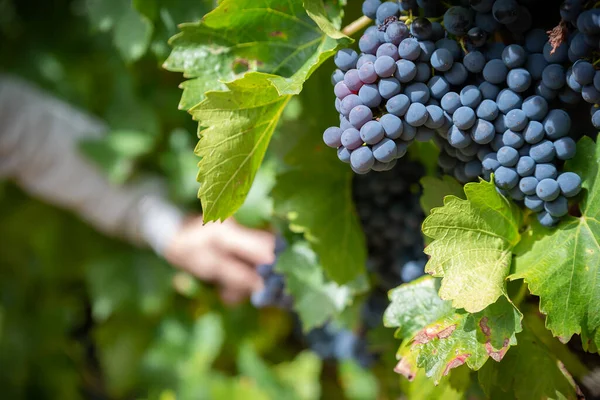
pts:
[223, 253]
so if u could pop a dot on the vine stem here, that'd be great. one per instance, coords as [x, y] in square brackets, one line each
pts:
[356, 26]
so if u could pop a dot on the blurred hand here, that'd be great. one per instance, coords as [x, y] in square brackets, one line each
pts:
[223, 253]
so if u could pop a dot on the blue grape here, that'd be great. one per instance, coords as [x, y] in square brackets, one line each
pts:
[559, 56]
[545, 171]
[506, 178]
[487, 110]
[365, 58]
[438, 31]
[578, 47]
[596, 119]
[526, 166]
[570, 10]
[352, 80]
[518, 80]
[458, 20]
[553, 76]
[442, 59]
[416, 115]
[385, 66]
[369, 8]
[569, 183]
[362, 159]
[474, 62]
[412, 270]
[535, 65]
[458, 138]
[516, 193]
[487, 22]
[528, 184]
[417, 92]
[547, 189]
[351, 139]
[423, 72]
[343, 154]
[488, 90]
[505, 11]
[368, 43]
[388, 49]
[583, 72]
[557, 124]
[534, 203]
[369, 95]
[405, 71]
[367, 74]
[337, 76]
[333, 137]
[457, 75]
[482, 132]
[597, 80]
[495, 71]
[477, 37]
[481, 5]
[409, 49]
[572, 83]
[372, 132]
[512, 139]
[546, 219]
[590, 94]
[389, 87]
[424, 134]
[345, 59]
[535, 40]
[516, 120]
[385, 151]
[543, 151]
[535, 107]
[545, 92]
[470, 96]
[392, 126]
[490, 162]
[558, 207]
[387, 9]
[438, 86]
[464, 117]
[421, 28]
[565, 148]
[524, 150]
[507, 156]
[451, 45]
[435, 117]
[341, 90]
[473, 169]
[508, 100]
[360, 115]
[514, 56]
[398, 105]
[450, 102]
[396, 32]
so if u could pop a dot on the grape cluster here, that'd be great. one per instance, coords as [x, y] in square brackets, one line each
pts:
[273, 293]
[490, 107]
[331, 342]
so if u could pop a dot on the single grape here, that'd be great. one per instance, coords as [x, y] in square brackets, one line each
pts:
[526, 166]
[365, 58]
[405, 71]
[473, 169]
[518, 80]
[505, 11]
[389, 87]
[570, 184]
[424, 134]
[506, 178]
[487, 110]
[369, 8]
[368, 43]
[489, 90]
[385, 66]
[387, 9]
[349, 103]
[341, 90]
[351, 139]
[559, 56]
[450, 102]
[458, 138]
[464, 118]
[481, 5]
[392, 126]
[514, 56]
[547, 189]
[451, 45]
[457, 75]
[372, 132]
[369, 95]
[523, 22]
[333, 137]
[557, 124]
[597, 80]
[545, 171]
[438, 86]
[477, 36]
[337, 76]
[534, 132]
[565, 148]
[535, 107]
[427, 49]
[535, 40]
[590, 94]
[596, 119]
[343, 154]
[578, 46]
[416, 115]
[545, 92]
[583, 72]
[516, 120]
[535, 65]
[528, 184]
[388, 49]
[482, 132]
[487, 22]
[409, 132]
[344, 123]
[345, 59]
[470, 96]
[507, 156]
[367, 73]
[362, 159]
[435, 117]
[490, 162]
[495, 71]
[553, 76]
[508, 100]
[442, 59]
[385, 151]
[396, 32]
[474, 62]
[543, 152]
[546, 219]
[417, 92]
[512, 139]
[360, 115]
[423, 72]
[398, 105]
[421, 28]
[352, 80]
[558, 207]
[458, 20]
[409, 49]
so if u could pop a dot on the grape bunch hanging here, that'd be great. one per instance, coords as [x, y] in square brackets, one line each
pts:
[488, 88]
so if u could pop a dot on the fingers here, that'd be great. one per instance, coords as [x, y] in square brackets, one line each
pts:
[250, 245]
[232, 297]
[236, 275]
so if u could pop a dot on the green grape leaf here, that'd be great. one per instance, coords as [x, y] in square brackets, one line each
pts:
[358, 383]
[438, 338]
[435, 190]
[302, 374]
[530, 371]
[236, 124]
[315, 299]
[285, 39]
[451, 387]
[562, 266]
[314, 192]
[257, 210]
[472, 245]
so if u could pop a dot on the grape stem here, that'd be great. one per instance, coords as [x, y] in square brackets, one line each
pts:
[356, 26]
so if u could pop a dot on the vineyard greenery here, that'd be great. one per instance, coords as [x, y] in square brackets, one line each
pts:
[507, 309]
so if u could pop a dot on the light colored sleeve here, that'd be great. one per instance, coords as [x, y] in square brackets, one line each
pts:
[39, 138]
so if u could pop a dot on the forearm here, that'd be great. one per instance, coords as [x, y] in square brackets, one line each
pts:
[38, 150]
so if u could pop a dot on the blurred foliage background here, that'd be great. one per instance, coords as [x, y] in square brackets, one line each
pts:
[85, 316]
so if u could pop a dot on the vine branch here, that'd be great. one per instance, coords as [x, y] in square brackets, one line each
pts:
[356, 26]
